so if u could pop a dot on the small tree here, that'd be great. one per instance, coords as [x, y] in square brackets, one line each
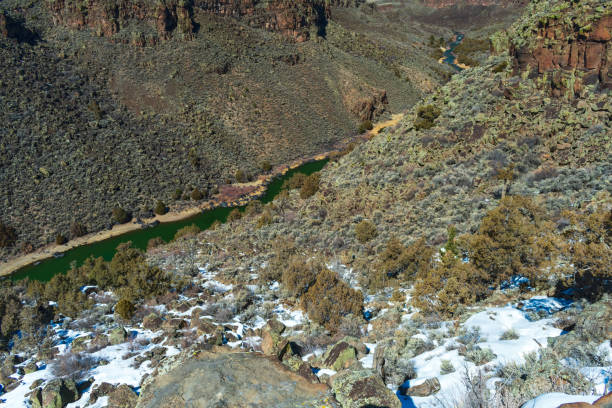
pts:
[365, 126]
[60, 239]
[177, 194]
[125, 309]
[241, 176]
[8, 235]
[365, 231]
[160, 208]
[77, 230]
[266, 166]
[310, 185]
[196, 195]
[120, 215]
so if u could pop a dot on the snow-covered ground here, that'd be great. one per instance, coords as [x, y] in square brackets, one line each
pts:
[492, 323]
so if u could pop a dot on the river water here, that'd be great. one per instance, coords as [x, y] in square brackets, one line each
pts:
[46, 269]
[449, 57]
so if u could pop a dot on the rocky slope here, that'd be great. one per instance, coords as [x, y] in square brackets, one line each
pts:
[221, 87]
[462, 3]
[343, 286]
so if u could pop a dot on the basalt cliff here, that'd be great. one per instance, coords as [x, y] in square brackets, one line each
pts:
[148, 21]
[568, 47]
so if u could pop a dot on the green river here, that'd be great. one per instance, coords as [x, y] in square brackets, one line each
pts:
[45, 270]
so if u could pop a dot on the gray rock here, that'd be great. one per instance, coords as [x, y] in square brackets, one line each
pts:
[230, 380]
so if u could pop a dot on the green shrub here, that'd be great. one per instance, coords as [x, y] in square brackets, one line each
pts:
[155, 242]
[310, 185]
[365, 231]
[125, 309]
[8, 235]
[240, 176]
[446, 367]
[234, 215]
[160, 208]
[265, 166]
[329, 299]
[426, 115]
[500, 67]
[120, 215]
[299, 275]
[187, 231]
[295, 181]
[541, 373]
[509, 334]
[178, 193]
[365, 126]
[60, 239]
[77, 230]
[196, 195]
[479, 356]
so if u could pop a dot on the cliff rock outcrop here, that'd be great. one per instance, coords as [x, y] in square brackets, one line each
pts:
[567, 47]
[146, 22]
[437, 4]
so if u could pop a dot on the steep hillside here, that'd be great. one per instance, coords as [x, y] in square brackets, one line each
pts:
[460, 258]
[121, 104]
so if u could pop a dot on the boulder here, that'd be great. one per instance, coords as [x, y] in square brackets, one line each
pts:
[203, 325]
[122, 396]
[272, 337]
[152, 322]
[100, 391]
[78, 344]
[425, 389]
[340, 355]
[118, 335]
[363, 388]
[30, 367]
[287, 350]
[603, 402]
[56, 394]
[172, 325]
[229, 379]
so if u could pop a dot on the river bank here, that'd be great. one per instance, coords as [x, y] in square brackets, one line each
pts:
[225, 200]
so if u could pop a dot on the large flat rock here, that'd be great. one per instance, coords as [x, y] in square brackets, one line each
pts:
[231, 380]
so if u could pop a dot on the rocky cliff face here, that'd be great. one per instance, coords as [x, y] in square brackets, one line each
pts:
[142, 22]
[567, 47]
[437, 4]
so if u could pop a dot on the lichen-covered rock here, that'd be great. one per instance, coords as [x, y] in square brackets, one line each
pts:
[30, 367]
[340, 355]
[118, 335]
[425, 389]
[357, 389]
[56, 394]
[152, 321]
[79, 344]
[122, 396]
[216, 379]
[272, 337]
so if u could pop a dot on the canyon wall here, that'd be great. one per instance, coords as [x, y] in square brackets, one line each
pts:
[143, 22]
[568, 54]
